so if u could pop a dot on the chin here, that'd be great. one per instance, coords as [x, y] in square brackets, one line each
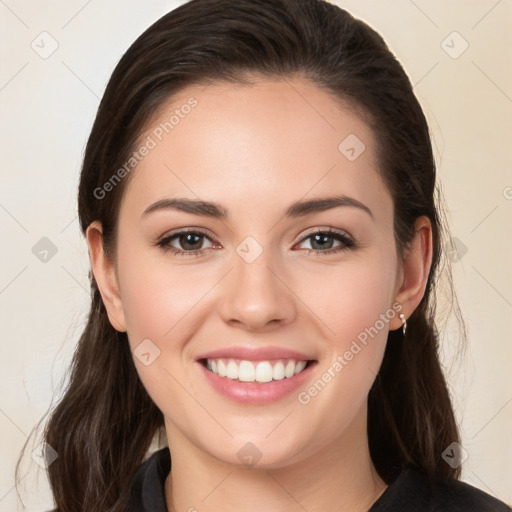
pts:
[258, 453]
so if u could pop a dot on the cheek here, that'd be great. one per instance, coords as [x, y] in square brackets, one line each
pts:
[355, 306]
[158, 296]
[350, 297]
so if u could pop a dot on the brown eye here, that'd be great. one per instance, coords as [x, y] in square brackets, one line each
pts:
[187, 243]
[190, 241]
[322, 242]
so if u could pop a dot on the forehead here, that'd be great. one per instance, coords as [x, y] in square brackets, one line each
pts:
[248, 144]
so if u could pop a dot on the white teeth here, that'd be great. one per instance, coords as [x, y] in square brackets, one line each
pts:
[298, 367]
[246, 372]
[232, 370]
[289, 371]
[262, 371]
[278, 371]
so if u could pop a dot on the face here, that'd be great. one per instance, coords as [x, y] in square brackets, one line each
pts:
[250, 285]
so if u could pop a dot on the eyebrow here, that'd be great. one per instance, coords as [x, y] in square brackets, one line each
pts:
[216, 211]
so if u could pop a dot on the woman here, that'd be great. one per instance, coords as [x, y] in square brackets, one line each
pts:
[259, 201]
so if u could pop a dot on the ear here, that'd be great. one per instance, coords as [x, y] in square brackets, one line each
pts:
[414, 271]
[104, 272]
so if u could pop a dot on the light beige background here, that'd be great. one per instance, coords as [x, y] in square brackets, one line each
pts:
[48, 106]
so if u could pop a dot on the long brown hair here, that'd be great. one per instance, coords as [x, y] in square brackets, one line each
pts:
[105, 421]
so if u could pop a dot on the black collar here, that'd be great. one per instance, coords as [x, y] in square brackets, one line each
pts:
[410, 492]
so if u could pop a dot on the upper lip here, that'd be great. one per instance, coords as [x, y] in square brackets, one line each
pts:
[255, 354]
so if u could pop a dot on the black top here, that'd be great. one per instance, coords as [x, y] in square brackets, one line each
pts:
[410, 492]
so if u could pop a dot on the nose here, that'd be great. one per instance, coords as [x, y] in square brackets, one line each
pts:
[256, 295]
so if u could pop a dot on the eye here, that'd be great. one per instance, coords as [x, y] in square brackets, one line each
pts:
[322, 241]
[190, 242]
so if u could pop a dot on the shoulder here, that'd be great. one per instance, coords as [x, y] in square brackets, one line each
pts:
[464, 496]
[148, 484]
[412, 490]
[147, 491]
[455, 495]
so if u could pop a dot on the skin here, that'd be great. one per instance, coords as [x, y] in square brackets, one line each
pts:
[255, 150]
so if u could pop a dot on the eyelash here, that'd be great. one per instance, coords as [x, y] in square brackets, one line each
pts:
[164, 242]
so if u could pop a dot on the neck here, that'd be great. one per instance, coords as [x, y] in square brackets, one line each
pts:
[340, 476]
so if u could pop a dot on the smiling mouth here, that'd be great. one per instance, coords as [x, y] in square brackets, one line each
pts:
[243, 370]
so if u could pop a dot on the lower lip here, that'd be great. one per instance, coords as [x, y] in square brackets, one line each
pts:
[256, 392]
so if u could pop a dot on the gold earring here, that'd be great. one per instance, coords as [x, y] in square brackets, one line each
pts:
[404, 321]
